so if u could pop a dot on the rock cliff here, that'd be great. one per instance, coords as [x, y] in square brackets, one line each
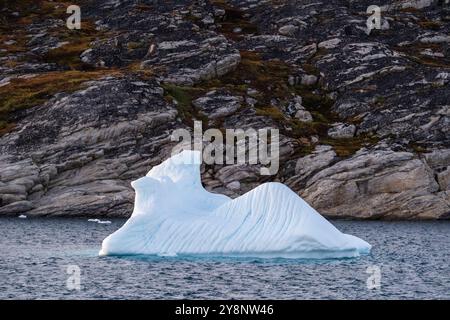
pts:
[364, 117]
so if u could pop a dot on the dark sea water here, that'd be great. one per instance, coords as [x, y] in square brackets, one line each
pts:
[413, 259]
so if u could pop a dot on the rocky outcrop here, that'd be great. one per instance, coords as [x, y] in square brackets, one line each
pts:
[215, 104]
[341, 130]
[77, 154]
[364, 117]
[380, 183]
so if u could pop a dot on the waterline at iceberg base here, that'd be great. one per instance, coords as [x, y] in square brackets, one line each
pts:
[174, 215]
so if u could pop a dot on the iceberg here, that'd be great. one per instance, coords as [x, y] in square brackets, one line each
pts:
[175, 215]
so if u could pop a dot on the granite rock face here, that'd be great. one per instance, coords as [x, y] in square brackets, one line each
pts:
[384, 183]
[77, 153]
[364, 117]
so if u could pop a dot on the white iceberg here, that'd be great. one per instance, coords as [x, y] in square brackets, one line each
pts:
[174, 214]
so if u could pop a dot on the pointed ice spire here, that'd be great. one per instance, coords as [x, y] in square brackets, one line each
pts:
[182, 168]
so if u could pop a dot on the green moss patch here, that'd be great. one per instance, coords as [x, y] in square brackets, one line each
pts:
[24, 93]
[347, 147]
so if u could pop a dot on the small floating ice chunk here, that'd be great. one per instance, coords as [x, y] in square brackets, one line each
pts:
[22, 216]
[173, 213]
[99, 221]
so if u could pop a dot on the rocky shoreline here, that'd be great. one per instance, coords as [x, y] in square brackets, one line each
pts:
[364, 119]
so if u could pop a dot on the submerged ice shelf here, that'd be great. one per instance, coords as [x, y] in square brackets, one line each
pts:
[174, 214]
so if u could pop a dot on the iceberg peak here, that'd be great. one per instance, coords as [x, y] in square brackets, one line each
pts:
[181, 168]
[174, 213]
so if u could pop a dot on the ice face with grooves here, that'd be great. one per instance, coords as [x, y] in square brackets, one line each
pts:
[174, 214]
